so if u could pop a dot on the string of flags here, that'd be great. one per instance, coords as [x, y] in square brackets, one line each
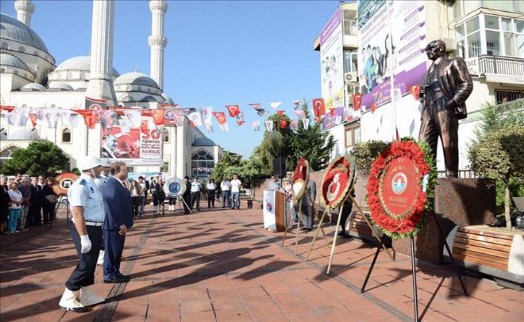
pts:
[173, 115]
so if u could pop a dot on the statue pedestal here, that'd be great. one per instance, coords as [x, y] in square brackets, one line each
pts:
[458, 202]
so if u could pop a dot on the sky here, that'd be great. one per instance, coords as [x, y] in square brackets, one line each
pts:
[218, 52]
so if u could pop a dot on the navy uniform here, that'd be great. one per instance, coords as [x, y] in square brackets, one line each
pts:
[84, 194]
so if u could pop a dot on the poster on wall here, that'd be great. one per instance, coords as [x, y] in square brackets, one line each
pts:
[131, 138]
[332, 62]
[392, 49]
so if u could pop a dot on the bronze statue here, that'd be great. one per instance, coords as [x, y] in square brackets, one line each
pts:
[446, 87]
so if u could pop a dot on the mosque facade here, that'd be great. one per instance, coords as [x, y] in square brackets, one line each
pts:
[31, 79]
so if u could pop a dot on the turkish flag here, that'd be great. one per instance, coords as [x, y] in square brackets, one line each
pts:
[158, 117]
[89, 117]
[233, 110]
[415, 91]
[220, 116]
[357, 100]
[6, 108]
[32, 117]
[319, 107]
[373, 107]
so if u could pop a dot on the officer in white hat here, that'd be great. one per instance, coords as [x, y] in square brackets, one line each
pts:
[85, 200]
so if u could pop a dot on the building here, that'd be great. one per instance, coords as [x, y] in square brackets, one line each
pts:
[489, 35]
[30, 78]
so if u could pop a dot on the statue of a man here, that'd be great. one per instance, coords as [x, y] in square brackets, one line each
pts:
[446, 87]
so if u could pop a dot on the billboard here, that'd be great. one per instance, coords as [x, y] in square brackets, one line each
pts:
[332, 62]
[392, 49]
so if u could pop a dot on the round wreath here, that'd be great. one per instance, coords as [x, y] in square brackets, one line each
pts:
[300, 179]
[337, 181]
[410, 222]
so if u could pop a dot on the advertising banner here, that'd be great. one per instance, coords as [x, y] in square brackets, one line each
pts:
[332, 63]
[132, 138]
[391, 49]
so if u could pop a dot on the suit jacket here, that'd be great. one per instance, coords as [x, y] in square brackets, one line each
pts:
[118, 205]
[455, 81]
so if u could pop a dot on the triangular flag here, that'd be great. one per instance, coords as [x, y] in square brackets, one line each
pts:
[12, 117]
[51, 117]
[32, 117]
[221, 120]
[206, 114]
[255, 125]
[240, 119]
[306, 123]
[89, 117]
[293, 126]
[233, 110]
[195, 118]
[269, 126]
[300, 114]
[65, 116]
[275, 105]
[297, 104]
[259, 109]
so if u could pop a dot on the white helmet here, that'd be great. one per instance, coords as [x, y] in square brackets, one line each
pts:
[88, 162]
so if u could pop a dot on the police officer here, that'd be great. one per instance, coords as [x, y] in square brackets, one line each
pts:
[85, 200]
[100, 181]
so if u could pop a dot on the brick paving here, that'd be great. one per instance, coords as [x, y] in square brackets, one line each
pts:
[221, 265]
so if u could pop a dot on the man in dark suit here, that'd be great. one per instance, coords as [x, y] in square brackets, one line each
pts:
[447, 86]
[118, 219]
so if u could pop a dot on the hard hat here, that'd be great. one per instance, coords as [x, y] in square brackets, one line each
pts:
[88, 162]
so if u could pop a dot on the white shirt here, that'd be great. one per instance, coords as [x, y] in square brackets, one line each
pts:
[85, 193]
[14, 196]
[225, 185]
[235, 185]
[211, 186]
[195, 186]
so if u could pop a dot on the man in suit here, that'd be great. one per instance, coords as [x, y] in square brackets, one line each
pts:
[118, 219]
[447, 86]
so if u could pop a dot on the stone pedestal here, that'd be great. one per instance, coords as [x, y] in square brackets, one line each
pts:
[458, 202]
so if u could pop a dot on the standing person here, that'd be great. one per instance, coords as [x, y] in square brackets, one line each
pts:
[273, 184]
[34, 217]
[211, 190]
[187, 195]
[100, 182]
[142, 197]
[14, 209]
[196, 186]
[25, 189]
[236, 184]
[225, 186]
[118, 220]
[346, 211]
[157, 192]
[135, 190]
[447, 86]
[308, 205]
[85, 201]
[4, 203]
[50, 200]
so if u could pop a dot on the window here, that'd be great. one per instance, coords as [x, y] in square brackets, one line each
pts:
[352, 135]
[66, 136]
[165, 135]
[202, 164]
[504, 96]
[164, 167]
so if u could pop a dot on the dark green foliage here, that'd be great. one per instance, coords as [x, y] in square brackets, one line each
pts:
[366, 152]
[39, 158]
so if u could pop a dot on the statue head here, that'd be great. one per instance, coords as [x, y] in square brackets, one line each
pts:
[436, 49]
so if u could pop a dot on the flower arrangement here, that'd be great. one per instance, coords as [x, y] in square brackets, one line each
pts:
[337, 181]
[402, 165]
[300, 179]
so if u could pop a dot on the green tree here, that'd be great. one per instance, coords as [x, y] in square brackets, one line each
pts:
[39, 158]
[498, 155]
[366, 152]
[228, 164]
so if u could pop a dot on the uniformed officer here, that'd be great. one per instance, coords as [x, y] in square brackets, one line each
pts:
[100, 181]
[85, 200]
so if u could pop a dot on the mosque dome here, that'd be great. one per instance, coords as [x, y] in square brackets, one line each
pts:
[7, 59]
[33, 87]
[23, 134]
[135, 78]
[12, 29]
[79, 63]
[204, 141]
[60, 86]
[168, 99]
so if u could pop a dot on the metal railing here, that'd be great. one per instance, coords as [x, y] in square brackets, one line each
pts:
[463, 174]
[501, 65]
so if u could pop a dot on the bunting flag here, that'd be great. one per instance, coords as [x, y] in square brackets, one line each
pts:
[108, 119]
[134, 116]
[40, 114]
[306, 123]
[7, 108]
[179, 120]
[269, 126]
[51, 117]
[65, 116]
[233, 110]
[95, 104]
[293, 126]
[23, 116]
[260, 111]
[222, 121]
[89, 117]
[255, 126]
[373, 107]
[297, 103]
[32, 117]
[415, 91]
[275, 105]
[195, 119]
[319, 108]
[240, 119]
[300, 114]
[188, 110]
[357, 100]
[73, 121]
[206, 114]
[158, 117]
[12, 117]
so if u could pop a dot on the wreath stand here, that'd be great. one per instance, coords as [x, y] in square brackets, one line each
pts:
[179, 200]
[62, 199]
[299, 202]
[375, 234]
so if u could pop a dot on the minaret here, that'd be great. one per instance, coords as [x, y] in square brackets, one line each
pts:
[24, 10]
[100, 84]
[157, 41]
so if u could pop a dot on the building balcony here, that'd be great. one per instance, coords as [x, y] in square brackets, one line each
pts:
[497, 69]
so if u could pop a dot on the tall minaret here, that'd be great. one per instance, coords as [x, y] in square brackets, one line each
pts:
[100, 84]
[157, 41]
[24, 10]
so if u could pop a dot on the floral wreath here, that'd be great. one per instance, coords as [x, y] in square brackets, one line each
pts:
[300, 179]
[409, 222]
[337, 181]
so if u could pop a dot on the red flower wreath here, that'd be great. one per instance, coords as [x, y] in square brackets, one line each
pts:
[410, 219]
[336, 182]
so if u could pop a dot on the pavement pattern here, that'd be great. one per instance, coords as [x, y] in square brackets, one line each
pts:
[222, 265]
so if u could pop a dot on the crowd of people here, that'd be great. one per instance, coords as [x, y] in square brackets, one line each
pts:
[26, 202]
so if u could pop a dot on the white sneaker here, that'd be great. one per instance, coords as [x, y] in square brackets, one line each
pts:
[88, 297]
[69, 301]
[100, 260]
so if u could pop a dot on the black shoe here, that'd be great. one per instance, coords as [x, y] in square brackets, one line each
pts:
[116, 279]
[343, 234]
[122, 276]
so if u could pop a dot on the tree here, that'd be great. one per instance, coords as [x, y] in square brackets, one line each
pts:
[227, 166]
[498, 155]
[39, 158]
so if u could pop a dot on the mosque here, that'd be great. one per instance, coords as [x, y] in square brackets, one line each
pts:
[30, 79]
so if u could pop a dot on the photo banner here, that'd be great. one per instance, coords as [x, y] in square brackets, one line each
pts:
[331, 62]
[392, 48]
